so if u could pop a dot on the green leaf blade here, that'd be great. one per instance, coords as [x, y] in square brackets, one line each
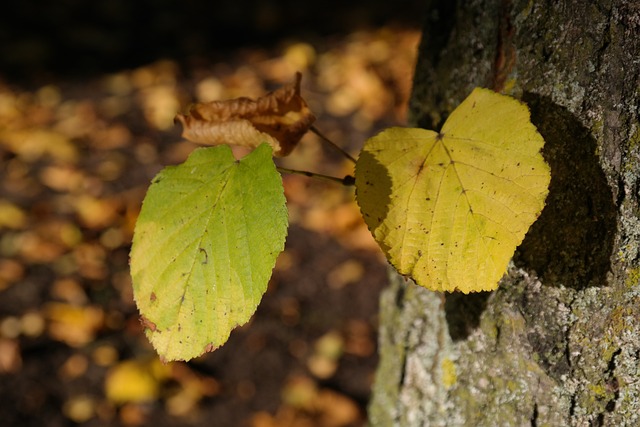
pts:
[205, 246]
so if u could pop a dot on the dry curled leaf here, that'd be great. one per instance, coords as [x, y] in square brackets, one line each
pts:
[279, 118]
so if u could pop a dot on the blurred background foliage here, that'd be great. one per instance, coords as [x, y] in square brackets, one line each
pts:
[88, 92]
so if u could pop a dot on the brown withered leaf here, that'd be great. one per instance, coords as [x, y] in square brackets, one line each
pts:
[279, 118]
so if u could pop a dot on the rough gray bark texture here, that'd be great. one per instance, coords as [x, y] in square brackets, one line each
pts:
[558, 343]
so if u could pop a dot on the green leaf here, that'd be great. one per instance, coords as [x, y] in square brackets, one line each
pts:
[204, 248]
[450, 208]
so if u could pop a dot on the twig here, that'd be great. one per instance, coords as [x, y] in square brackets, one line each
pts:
[332, 144]
[347, 180]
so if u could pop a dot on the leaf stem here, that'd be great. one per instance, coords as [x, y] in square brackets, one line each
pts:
[332, 144]
[347, 180]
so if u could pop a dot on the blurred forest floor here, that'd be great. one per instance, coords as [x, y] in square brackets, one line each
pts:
[86, 121]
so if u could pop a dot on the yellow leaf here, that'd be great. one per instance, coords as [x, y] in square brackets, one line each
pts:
[79, 409]
[135, 380]
[73, 325]
[327, 351]
[94, 212]
[450, 208]
[11, 216]
[33, 144]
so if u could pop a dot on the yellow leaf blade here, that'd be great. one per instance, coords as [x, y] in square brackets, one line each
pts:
[450, 208]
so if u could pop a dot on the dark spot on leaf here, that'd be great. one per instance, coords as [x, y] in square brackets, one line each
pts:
[148, 324]
[152, 298]
[209, 348]
[206, 256]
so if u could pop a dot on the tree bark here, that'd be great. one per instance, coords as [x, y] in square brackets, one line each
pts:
[558, 343]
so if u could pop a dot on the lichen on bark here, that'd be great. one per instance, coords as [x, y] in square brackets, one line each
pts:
[559, 342]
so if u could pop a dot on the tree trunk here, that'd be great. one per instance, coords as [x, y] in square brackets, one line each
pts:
[558, 343]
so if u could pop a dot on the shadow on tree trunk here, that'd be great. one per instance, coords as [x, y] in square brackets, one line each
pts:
[463, 312]
[572, 241]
